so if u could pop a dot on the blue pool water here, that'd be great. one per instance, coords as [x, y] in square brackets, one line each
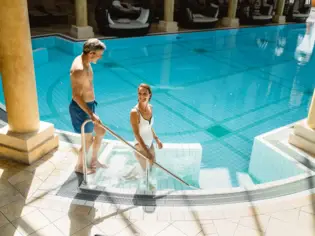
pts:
[219, 88]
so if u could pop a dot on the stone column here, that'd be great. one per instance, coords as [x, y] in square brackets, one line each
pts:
[311, 113]
[168, 24]
[81, 30]
[303, 135]
[17, 68]
[278, 17]
[230, 20]
[25, 138]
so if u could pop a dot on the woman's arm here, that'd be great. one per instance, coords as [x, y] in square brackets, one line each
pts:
[157, 140]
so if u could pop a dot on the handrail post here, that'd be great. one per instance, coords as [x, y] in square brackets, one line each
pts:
[84, 150]
[147, 174]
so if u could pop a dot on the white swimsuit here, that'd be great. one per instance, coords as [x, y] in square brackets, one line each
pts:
[145, 129]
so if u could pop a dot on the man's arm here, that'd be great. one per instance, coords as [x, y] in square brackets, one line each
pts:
[77, 91]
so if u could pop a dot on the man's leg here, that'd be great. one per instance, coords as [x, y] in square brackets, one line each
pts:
[99, 134]
[88, 143]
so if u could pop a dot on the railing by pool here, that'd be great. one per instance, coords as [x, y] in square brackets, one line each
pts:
[134, 149]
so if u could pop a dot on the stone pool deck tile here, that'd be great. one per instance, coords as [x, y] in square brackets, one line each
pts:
[29, 206]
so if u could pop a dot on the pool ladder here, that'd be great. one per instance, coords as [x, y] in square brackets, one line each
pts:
[134, 149]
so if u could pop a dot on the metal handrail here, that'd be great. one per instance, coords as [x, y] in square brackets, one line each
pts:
[129, 145]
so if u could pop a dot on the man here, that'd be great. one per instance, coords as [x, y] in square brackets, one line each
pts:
[82, 106]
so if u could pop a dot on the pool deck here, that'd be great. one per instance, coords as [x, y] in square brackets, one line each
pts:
[29, 206]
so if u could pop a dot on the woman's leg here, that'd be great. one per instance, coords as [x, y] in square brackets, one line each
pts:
[143, 162]
[152, 151]
[140, 159]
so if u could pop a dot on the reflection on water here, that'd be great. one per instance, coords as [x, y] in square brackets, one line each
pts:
[262, 43]
[305, 46]
[281, 42]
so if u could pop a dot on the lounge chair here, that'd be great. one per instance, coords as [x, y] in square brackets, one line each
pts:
[122, 26]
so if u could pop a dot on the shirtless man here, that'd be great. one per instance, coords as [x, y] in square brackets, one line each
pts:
[82, 106]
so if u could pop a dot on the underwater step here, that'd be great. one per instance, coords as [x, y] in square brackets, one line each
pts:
[125, 172]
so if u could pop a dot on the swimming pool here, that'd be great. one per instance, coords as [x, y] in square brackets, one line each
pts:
[219, 89]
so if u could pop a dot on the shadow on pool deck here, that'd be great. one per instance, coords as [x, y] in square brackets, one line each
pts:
[3, 117]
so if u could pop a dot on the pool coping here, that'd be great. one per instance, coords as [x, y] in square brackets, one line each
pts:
[264, 191]
[186, 31]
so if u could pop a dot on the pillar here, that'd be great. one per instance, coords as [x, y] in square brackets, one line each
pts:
[25, 138]
[230, 20]
[17, 68]
[81, 13]
[168, 24]
[311, 113]
[278, 17]
[303, 134]
[81, 30]
[232, 9]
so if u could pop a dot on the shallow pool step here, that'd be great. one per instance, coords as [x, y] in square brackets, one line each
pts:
[122, 162]
[273, 159]
[219, 178]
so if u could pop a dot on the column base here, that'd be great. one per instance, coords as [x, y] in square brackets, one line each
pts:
[278, 19]
[168, 26]
[230, 22]
[303, 137]
[28, 148]
[82, 32]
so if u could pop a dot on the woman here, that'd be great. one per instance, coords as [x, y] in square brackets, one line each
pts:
[141, 119]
